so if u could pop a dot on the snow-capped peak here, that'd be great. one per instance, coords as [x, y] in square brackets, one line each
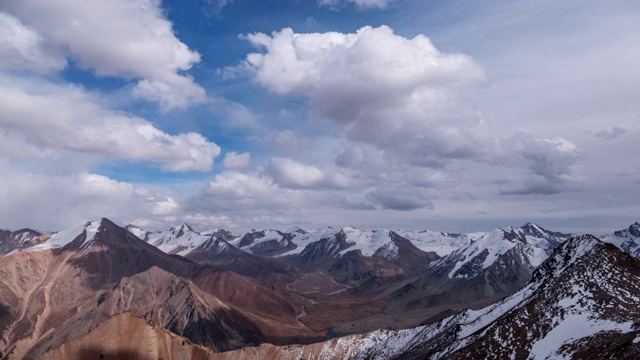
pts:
[365, 241]
[490, 246]
[627, 239]
[65, 237]
[137, 231]
[178, 240]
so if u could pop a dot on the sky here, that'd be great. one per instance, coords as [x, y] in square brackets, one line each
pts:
[452, 116]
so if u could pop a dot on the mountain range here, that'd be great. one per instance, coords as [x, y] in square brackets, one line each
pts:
[344, 292]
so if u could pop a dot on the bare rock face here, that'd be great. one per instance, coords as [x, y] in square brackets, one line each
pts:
[170, 301]
[127, 336]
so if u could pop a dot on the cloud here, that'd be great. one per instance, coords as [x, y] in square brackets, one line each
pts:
[232, 190]
[49, 119]
[216, 6]
[615, 133]
[21, 48]
[291, 141]
[533, 189]
[551, 159]
[165, 207]
[121, 38]
[386, 90]
[292, 174]
[233, 160]
[207, 222]
[362, 4]
[55, 201]
[400, 198]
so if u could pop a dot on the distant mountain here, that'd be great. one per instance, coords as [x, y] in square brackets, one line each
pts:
[382, 269]
[266, 242]
[528, 245]
[214, 248]
[20, 239]
[583, 302]
[627, 239]
[227, 291]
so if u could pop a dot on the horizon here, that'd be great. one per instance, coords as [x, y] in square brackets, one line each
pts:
[413, 115]
[311, 230]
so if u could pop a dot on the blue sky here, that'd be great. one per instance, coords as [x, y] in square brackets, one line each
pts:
[446, 115]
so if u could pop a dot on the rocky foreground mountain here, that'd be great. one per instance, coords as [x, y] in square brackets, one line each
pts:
[61, 288]
[225, 291]
[583, 302]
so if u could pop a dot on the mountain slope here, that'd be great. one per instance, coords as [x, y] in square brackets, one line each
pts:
[627, 239]
[11, 241]
[584, 301]
[43, 286]
[127, 335]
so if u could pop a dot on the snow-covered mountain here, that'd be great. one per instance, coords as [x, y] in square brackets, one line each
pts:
[179, 240]
[627, 239]
[304, 286]
[583, 302]
[15, 240]
[528, 245]
[266, 242]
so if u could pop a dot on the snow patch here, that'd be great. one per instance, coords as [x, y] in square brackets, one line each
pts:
[573, 327]
[62, 238]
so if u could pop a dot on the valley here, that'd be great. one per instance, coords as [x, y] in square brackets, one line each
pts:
[314, 290]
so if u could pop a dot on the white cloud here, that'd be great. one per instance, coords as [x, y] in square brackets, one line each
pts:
[238, 191]
[175, 91]
[165, 207]
[552, 159]
[400, 104]
[21, 48]
[207, 222]
[123, 38]
[292, 174]
[54, 201]
[233, 160]
[99, 186]
[363, 4]
[395, 93]
[49, 119]
[291, 140]
[217, 5]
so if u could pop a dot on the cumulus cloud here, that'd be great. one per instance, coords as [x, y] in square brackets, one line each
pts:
[233, 190]
[122, 38]
[21, 48]
[54, 201]
[552, 159]
[292, 174]
[400, 104]
[49, 119]
[233, 160]
[291, 140]
[386, 90]
[363, 4]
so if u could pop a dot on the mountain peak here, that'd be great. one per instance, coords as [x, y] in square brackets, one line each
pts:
[567, 254]
[634, 229]
[182, 229]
